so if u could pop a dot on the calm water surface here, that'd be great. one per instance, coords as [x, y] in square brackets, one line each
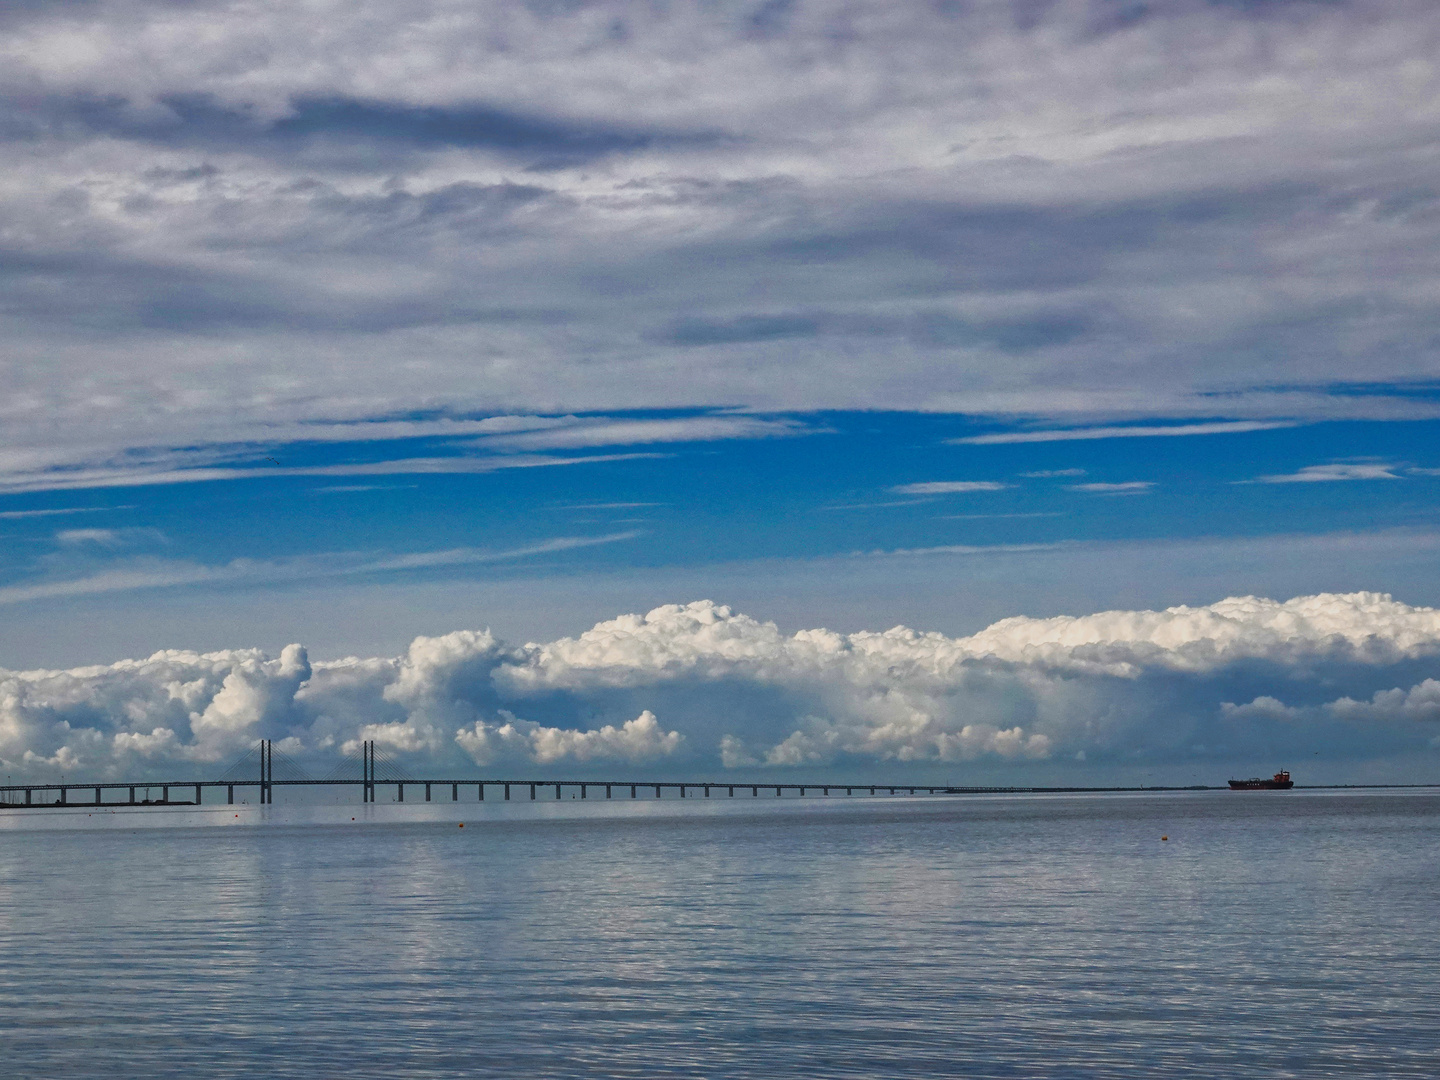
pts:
[1273, 934]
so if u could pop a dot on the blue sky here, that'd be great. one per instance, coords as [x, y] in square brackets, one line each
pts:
[343, 325]
[859, 488]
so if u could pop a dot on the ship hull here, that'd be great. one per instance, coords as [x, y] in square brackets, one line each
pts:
[1261, 785]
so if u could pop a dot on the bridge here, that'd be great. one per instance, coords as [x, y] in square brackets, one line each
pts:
[256, 773]
[372, 771]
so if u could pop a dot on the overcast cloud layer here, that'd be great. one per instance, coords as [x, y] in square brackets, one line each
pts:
[230, 222]
[706, 690]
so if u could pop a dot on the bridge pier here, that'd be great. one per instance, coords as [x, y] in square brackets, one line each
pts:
[229, 795]
[97, 796]
[583, 793]
[657, 791]
[454, 792]
[165, 793]
[427, 792]
[480, 790]
[732, 791]
[557, 791]
[507, 791]
[607, 791]
[197, 795]
[532, 792]
[777, 791]
[29, 793]
[707, 791]
[399, 792]
[754, 792]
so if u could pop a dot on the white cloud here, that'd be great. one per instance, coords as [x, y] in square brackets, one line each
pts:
[734, 753]
[611, 506]
[1263, 707]
[834, 204]
[67, 479]
[159, 741]
[606, 432]
[1420, 702]
[805, 748]
[1138, 431]
[960, 549]
[463, 556]
[14, 515]
[711, 640]
[150, 575]
[1126, 487]
[108, 538]
[103, 537]
[949, 487]
[1340, 471]
[175, 705]
[637, 740]
[161, 574]
[739, 693]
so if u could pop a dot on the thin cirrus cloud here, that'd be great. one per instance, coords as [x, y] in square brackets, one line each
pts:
[961, 549]
[21, 515]
[1149, 431]
[78, 479]
[1316, 474]
[579, 434]
[470, 556]
[505, 442]
[610, 506]
[1124, 487]
[108, 538]
[137, 575]
[949, 487]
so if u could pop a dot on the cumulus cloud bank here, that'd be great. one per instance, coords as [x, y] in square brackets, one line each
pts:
[698, 686]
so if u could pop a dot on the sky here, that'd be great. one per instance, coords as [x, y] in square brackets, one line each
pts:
[570, 388]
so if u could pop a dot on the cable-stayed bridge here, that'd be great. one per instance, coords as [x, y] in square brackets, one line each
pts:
[263, 769]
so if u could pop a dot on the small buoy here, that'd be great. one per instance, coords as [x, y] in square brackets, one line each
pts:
[1164, 838]
[462, 824]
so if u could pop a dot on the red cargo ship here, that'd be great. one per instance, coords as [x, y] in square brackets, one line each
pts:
[1279, 782]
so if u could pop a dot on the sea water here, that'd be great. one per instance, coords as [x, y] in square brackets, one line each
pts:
[1272, 934]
